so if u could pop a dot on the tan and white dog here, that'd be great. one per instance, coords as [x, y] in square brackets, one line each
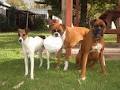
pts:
[30, 47]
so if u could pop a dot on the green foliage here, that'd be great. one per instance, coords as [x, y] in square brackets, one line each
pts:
[17, 3]
[3, 22]
[103, 1]
[96, 8]
[56, 6]
[8, 24]
[40, 24]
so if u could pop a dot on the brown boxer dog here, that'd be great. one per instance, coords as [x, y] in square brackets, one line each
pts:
[71, 36]
[96, 48]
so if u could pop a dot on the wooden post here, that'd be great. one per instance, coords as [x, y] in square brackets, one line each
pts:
[118, 28]
[118, 22]
[63, 10]
[27, 20]
[68, 17]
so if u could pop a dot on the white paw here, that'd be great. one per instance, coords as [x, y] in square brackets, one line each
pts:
[83, 78]
[66, 66]
[65, 69]
[32, 78]
[48, 68]
[26, 74]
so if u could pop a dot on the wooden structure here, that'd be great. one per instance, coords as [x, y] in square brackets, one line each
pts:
[76, 12]
[108, 17]
[71, 12]
[68, 14]
[20, 18]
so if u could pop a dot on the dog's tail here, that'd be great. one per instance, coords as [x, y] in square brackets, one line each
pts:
[42, 36]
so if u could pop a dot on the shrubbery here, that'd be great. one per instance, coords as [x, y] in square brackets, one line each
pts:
[40, 24]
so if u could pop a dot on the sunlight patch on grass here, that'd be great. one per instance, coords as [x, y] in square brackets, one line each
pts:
[110, 37]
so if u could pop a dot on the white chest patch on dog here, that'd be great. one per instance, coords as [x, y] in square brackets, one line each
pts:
[97, 47]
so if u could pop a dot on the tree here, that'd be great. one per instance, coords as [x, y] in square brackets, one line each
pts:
[56, 6]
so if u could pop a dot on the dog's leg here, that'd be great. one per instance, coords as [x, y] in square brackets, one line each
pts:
[41, 59]
[84, 63]
[104, 60]
[78, 59]
[102, 63]
[26, 65]
[68, 54]
[32, 66]
[48, 60]
[58, 58]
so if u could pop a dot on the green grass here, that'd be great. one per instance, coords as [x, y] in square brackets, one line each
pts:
[110, 37]
[12, 72]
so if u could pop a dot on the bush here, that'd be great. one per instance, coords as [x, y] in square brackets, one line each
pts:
[7, 24]
[40, 24]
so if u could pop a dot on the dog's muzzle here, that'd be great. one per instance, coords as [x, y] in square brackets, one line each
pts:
[56, 34]
[97, 33]
[20, 40]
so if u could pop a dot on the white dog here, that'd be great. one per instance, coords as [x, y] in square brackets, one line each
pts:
[53, 44]
[30, 46]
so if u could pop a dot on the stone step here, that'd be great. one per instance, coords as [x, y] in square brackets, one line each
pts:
[107, 51]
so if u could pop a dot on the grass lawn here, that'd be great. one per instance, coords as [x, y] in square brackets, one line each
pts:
[12, 72]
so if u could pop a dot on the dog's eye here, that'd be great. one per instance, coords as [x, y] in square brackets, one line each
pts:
[54, 30]
[101, 26]
[59, 31]
[24, 34]
[96, 26]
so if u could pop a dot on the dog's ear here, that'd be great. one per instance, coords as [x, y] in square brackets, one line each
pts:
[105, 22]
[20, 30]
[23, 30]
[92, 22]
[63, 26]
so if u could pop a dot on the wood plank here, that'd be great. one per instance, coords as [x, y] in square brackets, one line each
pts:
[112, 31]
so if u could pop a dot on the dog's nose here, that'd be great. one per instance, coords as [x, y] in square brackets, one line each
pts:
[20, 40]
[56, 34]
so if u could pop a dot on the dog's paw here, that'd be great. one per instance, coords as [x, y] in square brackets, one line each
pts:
[48, 68]
[66, 66]
[25, 74]
[83, 78]
[32, 78]
[65, 69]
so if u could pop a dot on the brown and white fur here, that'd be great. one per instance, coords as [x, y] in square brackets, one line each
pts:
[30, 47]
[74, 35]
[96, 52]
